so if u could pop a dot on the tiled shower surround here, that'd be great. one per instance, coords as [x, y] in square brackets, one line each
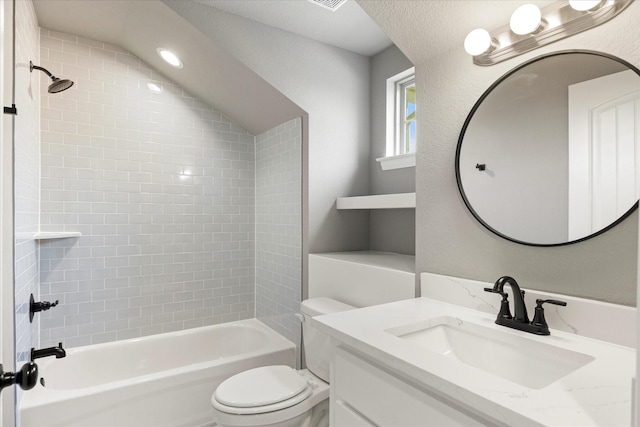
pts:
[279, 227]
[162, 188]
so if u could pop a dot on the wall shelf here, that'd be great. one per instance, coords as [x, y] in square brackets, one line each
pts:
[382, 201]
[49, 235]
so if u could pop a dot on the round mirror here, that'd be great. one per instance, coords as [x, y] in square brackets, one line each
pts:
[550, 154]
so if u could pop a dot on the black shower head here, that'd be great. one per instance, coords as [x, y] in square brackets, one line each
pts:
[57, 85]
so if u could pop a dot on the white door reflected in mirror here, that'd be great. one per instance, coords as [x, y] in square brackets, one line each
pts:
[604, 149]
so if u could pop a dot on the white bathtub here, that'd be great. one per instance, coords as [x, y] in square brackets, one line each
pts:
[160, 380]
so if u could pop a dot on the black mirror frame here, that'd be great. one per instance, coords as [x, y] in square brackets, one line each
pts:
[470, 116]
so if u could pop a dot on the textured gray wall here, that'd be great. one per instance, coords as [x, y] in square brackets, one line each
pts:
[450, 241]
[389, 230]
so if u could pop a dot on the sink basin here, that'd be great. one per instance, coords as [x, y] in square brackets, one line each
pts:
[524, 361]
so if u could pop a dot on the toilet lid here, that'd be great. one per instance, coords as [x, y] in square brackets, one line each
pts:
[262, 386]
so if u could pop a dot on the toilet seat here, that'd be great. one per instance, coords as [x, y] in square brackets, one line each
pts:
[261, 390]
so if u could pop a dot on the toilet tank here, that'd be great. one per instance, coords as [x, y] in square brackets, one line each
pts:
[317, 350]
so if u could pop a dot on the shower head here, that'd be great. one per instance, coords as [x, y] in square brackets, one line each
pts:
[57, 84]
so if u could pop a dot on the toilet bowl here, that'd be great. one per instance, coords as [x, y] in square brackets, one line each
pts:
[280, 395]
[272, 396]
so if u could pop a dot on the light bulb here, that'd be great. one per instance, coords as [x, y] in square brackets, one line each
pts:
[170, 57]
[526, 19]
[584, 5]
[477, 42]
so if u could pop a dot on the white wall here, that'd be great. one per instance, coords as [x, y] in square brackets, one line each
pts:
[451, 242]
[332, 86]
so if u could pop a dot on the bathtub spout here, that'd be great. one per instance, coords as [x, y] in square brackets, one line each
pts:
[58, 352]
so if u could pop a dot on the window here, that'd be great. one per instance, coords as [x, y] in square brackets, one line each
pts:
[405, 138]
[401, 121]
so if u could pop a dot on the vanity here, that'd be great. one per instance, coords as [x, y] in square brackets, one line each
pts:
[427, 362]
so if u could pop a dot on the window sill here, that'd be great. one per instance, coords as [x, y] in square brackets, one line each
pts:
[397, 162]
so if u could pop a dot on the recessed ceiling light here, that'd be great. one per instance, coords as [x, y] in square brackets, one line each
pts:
[170, 57]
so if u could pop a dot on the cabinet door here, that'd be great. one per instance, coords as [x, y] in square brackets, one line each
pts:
[387, 400]
[346, 417]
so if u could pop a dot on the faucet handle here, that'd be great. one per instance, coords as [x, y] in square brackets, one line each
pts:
[35, 307]
[539, 302]
[504, 313]
[538, 318]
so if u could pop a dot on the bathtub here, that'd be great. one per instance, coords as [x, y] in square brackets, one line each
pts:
[159, 380]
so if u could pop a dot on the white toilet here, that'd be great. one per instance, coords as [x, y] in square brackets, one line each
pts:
[279, 395]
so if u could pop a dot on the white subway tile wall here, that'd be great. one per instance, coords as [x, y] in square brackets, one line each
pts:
[279, 228]
[162, 188]
[27, 176]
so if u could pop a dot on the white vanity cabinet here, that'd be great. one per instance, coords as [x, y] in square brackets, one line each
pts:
[391, 368]
[364, 394]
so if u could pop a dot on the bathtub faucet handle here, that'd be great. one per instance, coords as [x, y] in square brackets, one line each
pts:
[35, 307]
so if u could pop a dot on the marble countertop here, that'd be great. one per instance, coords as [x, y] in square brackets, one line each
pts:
[596, 394]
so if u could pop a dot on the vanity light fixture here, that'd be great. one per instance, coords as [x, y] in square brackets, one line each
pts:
[530, 28]
[170, 57]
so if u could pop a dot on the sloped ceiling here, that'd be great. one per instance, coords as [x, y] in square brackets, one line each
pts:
[210, 73]
[421, 29]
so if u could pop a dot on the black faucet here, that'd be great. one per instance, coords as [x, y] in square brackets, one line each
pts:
[58, 352]
[520, 320]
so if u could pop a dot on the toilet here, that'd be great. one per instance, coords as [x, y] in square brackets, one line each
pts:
[280, 395]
